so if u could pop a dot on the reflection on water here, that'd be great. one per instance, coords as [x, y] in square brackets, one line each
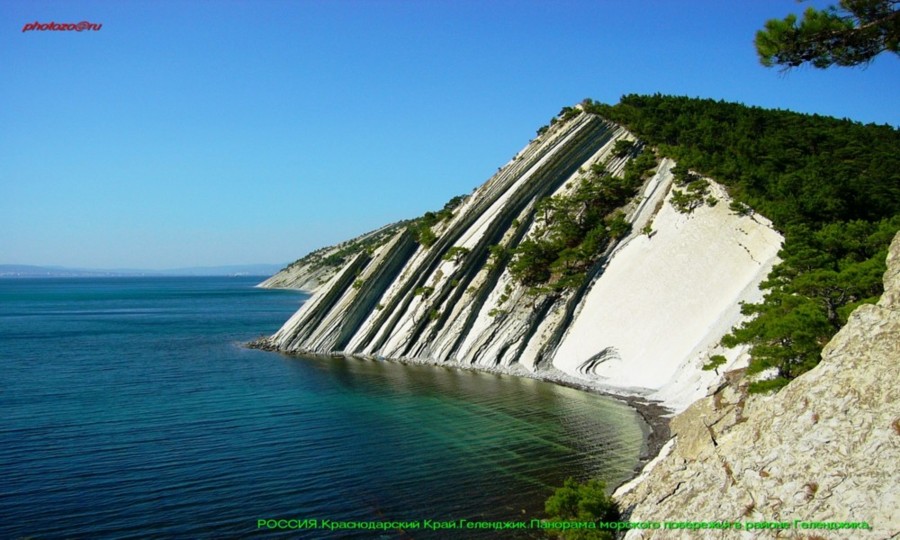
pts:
[130, 411]
[503, 423]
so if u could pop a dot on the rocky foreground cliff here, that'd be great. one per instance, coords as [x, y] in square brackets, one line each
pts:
[824, 449]
[642, 317]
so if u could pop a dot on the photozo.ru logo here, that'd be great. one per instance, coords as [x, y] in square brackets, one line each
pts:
[77, 27]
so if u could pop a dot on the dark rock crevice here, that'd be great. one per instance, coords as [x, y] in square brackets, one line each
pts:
[325, 304]
[542, 182]
[374, 287]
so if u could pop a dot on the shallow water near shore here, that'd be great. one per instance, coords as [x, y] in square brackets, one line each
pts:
[132, 410]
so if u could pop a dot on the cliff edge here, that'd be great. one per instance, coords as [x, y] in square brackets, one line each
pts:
[824, 449]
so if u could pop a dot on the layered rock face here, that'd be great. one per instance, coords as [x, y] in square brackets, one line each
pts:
[646, 317]
[824, 449]
[313, 271]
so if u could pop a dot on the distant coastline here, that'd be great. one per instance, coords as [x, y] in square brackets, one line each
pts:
[14, 271]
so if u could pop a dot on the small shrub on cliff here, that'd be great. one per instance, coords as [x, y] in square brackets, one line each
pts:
[714, 362]
[740, 208]
[568, 113]
[421, 227]
[423, 291]
[455, 254]
[695, 194]
[623, 147]
[582, 502]
[425, 236]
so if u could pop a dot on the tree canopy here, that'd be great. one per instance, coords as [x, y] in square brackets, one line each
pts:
[850, 34]
[832, 187]
[573, 228]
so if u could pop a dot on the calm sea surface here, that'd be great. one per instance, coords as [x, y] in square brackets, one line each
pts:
[129, 409]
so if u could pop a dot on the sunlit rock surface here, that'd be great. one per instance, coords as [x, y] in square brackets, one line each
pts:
[646, 318]
[826, 448]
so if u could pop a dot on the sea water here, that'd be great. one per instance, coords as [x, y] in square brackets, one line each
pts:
[129, 408]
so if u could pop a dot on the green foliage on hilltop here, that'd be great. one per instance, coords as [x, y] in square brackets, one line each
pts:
[832, 187]
[337, 255]
[421, 228]
[566, 114]
[790, 167]
[573, 228]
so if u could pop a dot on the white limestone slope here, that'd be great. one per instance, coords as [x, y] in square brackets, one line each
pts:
[644, 320]
[664, 301]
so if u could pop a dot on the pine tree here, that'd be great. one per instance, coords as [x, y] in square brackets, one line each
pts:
[852, 34]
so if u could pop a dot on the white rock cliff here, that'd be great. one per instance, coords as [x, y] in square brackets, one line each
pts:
[648, 315]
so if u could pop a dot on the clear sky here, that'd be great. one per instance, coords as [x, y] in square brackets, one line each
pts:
[188, 133]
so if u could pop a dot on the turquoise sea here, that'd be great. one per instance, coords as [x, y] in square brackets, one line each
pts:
[130, 409]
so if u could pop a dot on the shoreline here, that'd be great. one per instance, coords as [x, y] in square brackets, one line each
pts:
[654, 415]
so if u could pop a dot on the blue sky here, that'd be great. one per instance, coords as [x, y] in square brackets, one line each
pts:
[228, 132]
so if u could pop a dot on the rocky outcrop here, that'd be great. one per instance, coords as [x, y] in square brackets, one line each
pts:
[313, 271]
[645, 318]
[826, 448]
